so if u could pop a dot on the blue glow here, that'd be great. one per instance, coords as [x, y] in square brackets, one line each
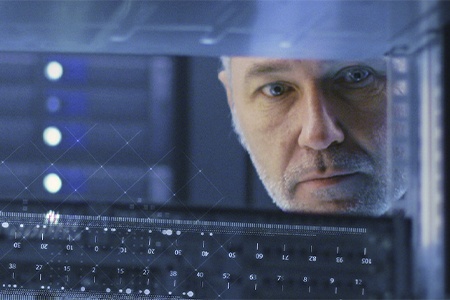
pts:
[53, 104]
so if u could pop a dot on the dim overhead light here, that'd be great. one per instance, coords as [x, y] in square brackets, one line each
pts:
[52, 136]
[54, 71]
[52, 183]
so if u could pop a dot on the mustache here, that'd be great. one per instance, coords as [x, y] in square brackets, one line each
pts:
[331, 159]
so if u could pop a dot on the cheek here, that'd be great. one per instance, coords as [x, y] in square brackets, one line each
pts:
[369, 130]
[267, 139]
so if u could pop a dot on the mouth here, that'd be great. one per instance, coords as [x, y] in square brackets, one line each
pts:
[317, 181]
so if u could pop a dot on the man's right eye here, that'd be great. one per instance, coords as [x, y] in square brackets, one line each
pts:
[275, 89]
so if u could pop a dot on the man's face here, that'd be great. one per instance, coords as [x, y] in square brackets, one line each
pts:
[315, 131]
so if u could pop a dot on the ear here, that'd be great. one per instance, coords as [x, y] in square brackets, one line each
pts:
[225, 79]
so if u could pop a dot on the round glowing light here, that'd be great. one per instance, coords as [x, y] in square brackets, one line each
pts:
[53, 104]
[52, 136]
[52, 183]
[53, 71]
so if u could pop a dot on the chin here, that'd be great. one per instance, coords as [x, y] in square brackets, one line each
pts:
[335, 207]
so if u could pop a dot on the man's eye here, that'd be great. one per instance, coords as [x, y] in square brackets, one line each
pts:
[275, 89]
[356, 76]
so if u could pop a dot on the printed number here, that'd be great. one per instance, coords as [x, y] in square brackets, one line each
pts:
[366, 261]
[173, 273]
[39, 267]
[259, 256]
[66, 268]
[312, 258]
[232, 254]
[226, 275]
[339, 259]
[200, 274]
[12, 266]
[145, 272]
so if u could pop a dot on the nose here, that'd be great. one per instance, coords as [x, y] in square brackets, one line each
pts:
[320, 128]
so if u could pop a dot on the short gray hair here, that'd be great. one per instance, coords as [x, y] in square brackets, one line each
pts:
[226, 63]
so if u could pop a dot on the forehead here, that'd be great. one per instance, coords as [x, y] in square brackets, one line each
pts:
[254, 67]
[257, 65]
[245, 61]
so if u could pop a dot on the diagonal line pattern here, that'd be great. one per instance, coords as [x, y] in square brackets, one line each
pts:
[122, 190]
[150, 169]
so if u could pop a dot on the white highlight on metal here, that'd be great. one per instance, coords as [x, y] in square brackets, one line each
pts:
[168, 232]
[52, 218]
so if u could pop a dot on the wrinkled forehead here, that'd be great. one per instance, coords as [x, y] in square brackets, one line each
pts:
[249, 67]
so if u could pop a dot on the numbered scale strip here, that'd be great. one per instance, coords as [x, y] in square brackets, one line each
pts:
[85, 256]
[243, 227]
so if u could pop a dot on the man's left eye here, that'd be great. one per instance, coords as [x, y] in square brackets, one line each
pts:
[275, 89]
[357, 76]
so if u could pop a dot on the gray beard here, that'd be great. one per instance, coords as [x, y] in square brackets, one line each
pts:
[370, 200]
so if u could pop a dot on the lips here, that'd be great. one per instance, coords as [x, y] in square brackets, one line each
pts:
[318, 180]
[326, 176]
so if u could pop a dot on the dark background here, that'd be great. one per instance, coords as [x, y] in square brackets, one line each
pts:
[136, 130]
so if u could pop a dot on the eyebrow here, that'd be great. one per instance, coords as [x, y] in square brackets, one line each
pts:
[265, 68]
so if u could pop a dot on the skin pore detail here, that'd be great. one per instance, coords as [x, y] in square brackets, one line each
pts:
[315, 131]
